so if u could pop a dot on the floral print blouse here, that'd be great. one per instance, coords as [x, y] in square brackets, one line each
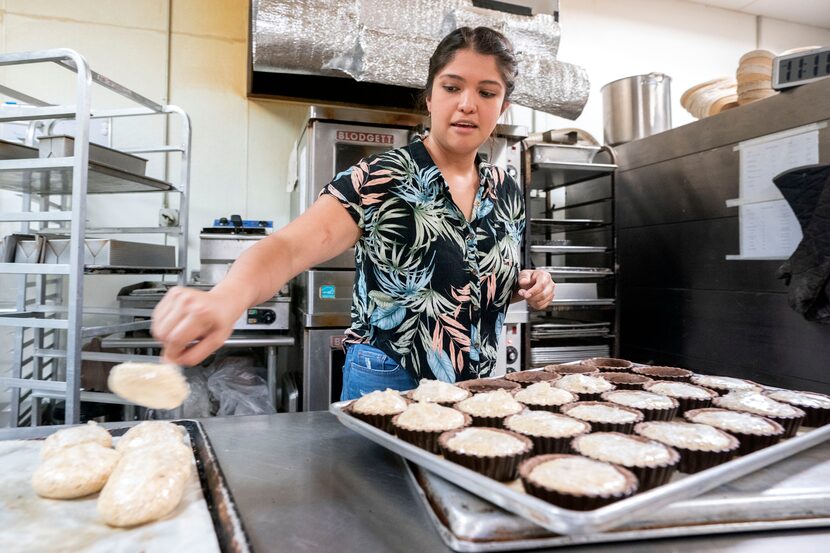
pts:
[431, 288]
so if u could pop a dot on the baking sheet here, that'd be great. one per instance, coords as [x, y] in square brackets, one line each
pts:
[31, 523]
[794, 493]
[580, 523]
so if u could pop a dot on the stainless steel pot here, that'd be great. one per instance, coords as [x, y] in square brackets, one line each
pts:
[636, 107]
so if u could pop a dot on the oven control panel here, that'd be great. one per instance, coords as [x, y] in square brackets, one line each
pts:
[266, 316]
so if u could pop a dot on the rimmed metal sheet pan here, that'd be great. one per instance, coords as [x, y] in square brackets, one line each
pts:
[230, 533]
[794, 493]
[576, 523]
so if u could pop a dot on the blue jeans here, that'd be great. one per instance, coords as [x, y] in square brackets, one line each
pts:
[368, 369]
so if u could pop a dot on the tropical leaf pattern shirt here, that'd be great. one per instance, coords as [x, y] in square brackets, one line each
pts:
[431, 288]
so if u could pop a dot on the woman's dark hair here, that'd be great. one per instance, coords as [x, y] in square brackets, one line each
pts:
[481, 40]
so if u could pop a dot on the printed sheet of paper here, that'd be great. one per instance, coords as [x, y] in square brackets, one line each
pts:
[768, 226]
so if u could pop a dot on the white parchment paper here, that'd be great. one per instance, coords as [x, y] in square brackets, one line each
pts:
[29, 522]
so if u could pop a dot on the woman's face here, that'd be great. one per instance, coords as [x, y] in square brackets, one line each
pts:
[466, 101]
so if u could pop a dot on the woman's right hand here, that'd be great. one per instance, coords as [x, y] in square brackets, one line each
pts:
[185, 315]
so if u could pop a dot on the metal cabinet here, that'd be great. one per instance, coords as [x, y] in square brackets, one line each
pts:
[51, 319]
[570, 234]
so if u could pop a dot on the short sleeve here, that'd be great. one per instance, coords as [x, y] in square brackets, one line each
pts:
[345, 188]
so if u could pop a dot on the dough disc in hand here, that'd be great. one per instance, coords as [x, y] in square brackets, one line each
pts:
[152, 385]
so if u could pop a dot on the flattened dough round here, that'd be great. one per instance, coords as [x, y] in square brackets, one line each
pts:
[75, 471]
[76, 435]
[152, 385]
[147, 484]
[150, 433]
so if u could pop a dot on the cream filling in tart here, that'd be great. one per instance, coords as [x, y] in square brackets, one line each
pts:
[430, 417]
[623, 450]
[807, 399]
[387, 402]
[756, 402]
[680, 389]
[542, 393]
[497, 403]
[723, 382]
[546, 424]
[733, 421]
[697, 437]
[438, 392]
[584, 384]
[637, 399]
[601, 413]
[485, 442]
[579, 476]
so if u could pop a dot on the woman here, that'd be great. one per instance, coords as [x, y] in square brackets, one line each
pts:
[436, 233]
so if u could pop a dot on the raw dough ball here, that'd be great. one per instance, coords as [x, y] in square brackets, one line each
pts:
[147, 484]
[149, 384]
[76, 435]
[75, 471]
[150, 433]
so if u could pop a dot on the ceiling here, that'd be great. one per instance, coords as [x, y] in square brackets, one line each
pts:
[808, 12]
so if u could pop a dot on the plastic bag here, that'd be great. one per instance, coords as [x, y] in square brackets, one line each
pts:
[239, 390]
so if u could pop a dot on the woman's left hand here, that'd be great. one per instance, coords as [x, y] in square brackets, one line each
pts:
[536, 287]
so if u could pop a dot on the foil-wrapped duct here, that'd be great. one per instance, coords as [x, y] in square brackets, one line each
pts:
[302, 35]
[396, 40]
[391, 42]
[538, 34]
[552, 86]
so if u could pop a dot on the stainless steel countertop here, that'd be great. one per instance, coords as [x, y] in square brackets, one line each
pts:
[303, 482]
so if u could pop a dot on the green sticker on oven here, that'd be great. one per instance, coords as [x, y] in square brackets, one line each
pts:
[327, 292]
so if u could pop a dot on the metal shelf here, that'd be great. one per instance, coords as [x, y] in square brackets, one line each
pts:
[566, 173]
[568, 225]
[35, 176]
[113, 270]
[34, 268]
[64, 269]
[568, 249]
[37, 319]
[578, 272]
[574, 305]
[94, 231]
[50, 319]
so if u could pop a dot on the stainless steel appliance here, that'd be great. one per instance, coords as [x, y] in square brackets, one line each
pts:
[221, 244]
[510, 356]
[333, 140]
[636, 107]
[272, 314]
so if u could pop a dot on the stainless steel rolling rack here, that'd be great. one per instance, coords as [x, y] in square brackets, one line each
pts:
[51, 320]
[570, 234]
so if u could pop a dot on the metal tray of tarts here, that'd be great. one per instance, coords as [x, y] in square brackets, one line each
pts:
[602, 463]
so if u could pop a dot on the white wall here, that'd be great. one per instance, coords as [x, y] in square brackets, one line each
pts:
[691, 43]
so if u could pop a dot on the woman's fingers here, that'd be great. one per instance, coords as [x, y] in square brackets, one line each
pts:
[167, 313]
[546, 290]
[186, 316]
[189, 328]
[540, 281]
[195, 354]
